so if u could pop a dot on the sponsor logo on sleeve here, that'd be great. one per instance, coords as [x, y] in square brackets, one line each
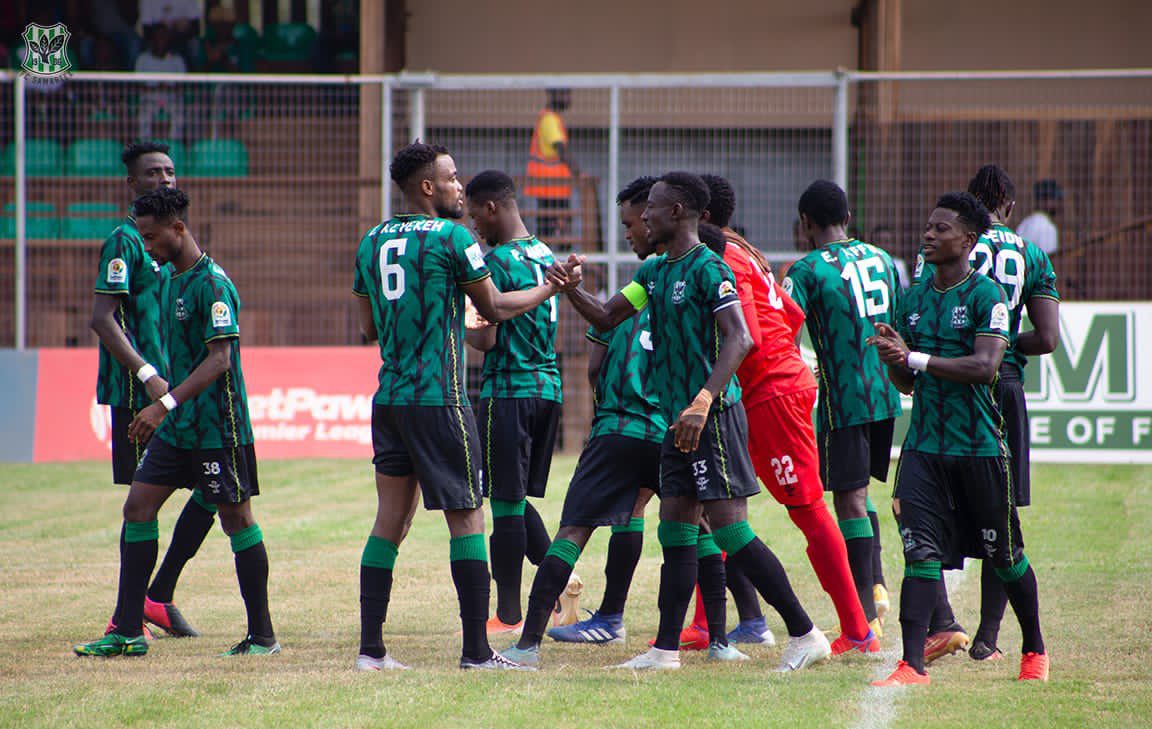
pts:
[117, 271]
[221, 315]
[999, 318]
[475, 256]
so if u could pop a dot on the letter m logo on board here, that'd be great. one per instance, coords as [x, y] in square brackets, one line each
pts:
[1094, 361]
[46, 50]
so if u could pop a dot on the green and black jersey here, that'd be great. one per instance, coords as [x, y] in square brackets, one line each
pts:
[1021, 268]
[522, 364]
[127, 271]
[626, 401]
[411, 269]
[203, 307]
[844, 288]
[951, 418]
[684, 293]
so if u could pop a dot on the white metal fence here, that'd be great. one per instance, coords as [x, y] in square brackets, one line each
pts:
[285, 172]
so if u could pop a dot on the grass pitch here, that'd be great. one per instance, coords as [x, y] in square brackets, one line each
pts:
[1087, 535]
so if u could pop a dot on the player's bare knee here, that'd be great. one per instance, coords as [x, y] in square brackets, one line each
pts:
[727, 511]
[236, 517]
[679, 508]
[578, 535]
[851, 504]
[643, 496]
[462, 522]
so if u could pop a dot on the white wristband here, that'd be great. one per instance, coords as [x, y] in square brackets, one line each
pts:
[918, 361]
[146, 372]
[168, 402]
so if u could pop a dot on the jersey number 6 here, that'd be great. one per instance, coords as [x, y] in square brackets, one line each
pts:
[392, 274]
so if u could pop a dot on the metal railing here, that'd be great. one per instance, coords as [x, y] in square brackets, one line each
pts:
[319, 148]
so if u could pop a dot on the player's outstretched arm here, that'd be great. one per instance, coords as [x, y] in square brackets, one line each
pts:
[737, 343]
[604, 315]
[1044, 313]
[978, 368]
[496, 306]
[218, 361]
[115, 341]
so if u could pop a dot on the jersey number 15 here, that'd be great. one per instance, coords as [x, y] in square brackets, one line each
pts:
[869, 286]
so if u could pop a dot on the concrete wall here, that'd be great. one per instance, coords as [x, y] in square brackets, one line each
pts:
[518, 36]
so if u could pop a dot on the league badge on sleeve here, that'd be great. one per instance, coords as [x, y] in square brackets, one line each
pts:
[221, 315]
[117, 271]
[726, 289]
[999, 318]
[475, 256]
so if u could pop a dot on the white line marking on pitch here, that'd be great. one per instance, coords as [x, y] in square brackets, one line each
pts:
[878, 706]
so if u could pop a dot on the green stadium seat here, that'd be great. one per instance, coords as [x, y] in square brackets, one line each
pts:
[94, 158]
[43, 158]
[288, 42]
[219, 158]
[42, 222]
[90, 220]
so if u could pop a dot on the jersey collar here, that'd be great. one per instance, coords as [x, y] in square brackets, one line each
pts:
[958, 283]
[686, 253]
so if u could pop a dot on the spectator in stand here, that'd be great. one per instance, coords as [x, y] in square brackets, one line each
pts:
[223, 52]
[339, 41]
[1039, 227]
[182, 18]
[114, 20]
[166, 97]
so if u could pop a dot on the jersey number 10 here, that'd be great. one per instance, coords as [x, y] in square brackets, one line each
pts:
[862, 276]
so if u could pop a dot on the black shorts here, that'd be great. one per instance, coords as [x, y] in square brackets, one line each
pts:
[518, 436]
[126, 453]
[221, 475]
[437, 444]
[851, 456]
[719, 468]
[953, 507]
[1014, 410]
[611, 470]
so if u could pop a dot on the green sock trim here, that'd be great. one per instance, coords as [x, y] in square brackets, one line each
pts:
[706, 546]
[565, 550]
[246, 538]
[734, 537]
[202, 503]
[469, 546]
[141, 531]
[923, 570]
[1015, 572]
[379, 552]
[634, 525]
[677, 534]
[507, 508]
[868, 505]
[856, 528]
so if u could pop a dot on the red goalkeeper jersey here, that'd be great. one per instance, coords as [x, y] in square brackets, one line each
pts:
[773, 366]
